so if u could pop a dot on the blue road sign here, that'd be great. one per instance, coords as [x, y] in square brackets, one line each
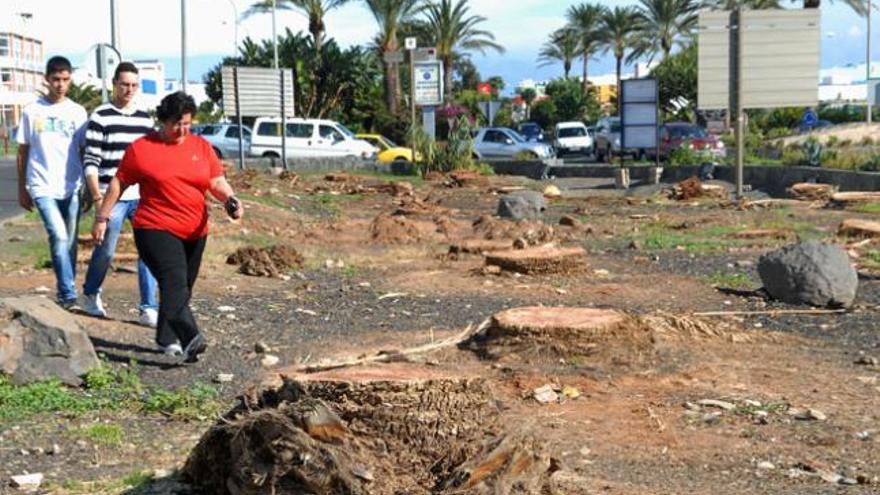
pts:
[810, 119]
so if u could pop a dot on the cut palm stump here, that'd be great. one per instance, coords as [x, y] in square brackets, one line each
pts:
[553, 332]
[845, 198]
[806, 191]
[480, 246]
[854, 227]
[539, 260]
[381, 429]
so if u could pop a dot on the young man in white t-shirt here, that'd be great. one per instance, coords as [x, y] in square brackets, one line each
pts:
[50, 141]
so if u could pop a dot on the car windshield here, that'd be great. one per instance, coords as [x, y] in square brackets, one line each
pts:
[345, 130]
[529, 129]
[209, 130]
[515, 135]
[567, 132]
[389, 143]
[687, 132]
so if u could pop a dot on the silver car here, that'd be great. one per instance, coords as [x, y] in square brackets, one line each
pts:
[224, 138]
[502, 142]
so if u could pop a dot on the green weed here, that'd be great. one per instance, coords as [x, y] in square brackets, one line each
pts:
[868, 208]
[104, 434]
[18, 402]
[271, 200]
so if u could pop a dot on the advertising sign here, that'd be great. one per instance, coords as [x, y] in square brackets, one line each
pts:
[428, 77]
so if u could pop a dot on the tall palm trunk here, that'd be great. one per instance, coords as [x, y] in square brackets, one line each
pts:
[586, 84]
[566, 66]
[316, 28]
[619, 66]
[392, 87]
[447, 78]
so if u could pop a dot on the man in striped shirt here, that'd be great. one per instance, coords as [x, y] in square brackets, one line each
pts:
[111, 129]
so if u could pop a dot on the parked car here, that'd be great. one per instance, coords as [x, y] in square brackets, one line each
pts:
[224, 138]
[607, 142]
[572, 137]
[674, 135]
[531, 131]
[502, 142]
[388, 151]
[307, 138]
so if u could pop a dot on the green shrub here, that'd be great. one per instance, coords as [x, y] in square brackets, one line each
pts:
[779, 132]
[844, 159]
[872, 164]
[685, 156]
[867, 141]
[832, 141]
[794, 156]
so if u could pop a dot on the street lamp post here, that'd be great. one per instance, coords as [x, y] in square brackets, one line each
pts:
[868, 66]
[235, 27]
[183, 45]
[274, 35]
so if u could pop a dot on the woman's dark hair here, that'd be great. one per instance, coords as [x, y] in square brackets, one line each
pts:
[174, 106]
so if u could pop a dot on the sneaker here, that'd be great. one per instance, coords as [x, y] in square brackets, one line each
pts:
[195, 347]
[70, 305]
[93, 305]
[173, 350]
[149, 318]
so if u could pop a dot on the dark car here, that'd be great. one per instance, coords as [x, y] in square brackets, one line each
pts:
[674, 135]
[531, 131]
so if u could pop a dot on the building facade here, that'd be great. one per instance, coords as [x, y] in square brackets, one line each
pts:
[21, 74]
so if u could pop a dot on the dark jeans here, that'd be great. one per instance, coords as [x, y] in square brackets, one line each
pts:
[175, 264]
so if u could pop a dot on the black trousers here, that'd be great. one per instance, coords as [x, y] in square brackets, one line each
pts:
[175, 264]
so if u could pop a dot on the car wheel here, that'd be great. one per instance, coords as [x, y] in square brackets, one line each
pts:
[217, 152]
[401, 159]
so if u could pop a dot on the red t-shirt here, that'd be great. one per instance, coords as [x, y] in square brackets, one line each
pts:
[173, 180]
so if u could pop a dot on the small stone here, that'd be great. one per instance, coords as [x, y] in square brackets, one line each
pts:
[261, 347]
[161, 473]
[867, 361]
[584, 451]
[569, 221]
[231, 288]
[545, 395]
[225, 309]
[284, 277]
[520, 243]
[42, 290]
[808, 414]
[55, 450]
[601, 273]
[224, 377]
[766, 465]
[269, 360]
[744, 264]
[329, 264]
[570, 392]
[340, 264]
[24, 452]
[362, 473]
[635, 245]
[27, 481]
[38, 451]
[712, 418]
[16, 238]
[727, 406]
[491, 270]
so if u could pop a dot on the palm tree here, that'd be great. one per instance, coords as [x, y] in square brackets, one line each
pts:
[562, 47]
[661, 24]
[454, 30]
[389, 15]
[314, 10]
[619, 24]
[585, 19]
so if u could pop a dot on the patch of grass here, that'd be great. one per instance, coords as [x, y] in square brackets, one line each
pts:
[349, 271]
[21, 401]
[730, 280]
[867, 208]
[133, 481]
[271, 200]
[104, 434]
[871, 258]
[107, 390]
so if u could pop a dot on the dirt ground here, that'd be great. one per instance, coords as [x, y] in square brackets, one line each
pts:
[370, 269]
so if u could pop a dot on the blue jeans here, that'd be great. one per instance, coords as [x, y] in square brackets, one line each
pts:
[60, 216]
[103, 255]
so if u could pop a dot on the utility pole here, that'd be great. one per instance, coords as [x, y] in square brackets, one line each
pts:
[868, 87]
[274, 35]
[183, 45]
[114, 26]
[738, 108]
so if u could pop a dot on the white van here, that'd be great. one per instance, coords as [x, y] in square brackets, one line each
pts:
[307, 138]
[572, 137]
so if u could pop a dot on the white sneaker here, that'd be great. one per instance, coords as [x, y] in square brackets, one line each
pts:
[93, 305]
[173, 350]
[149, 318]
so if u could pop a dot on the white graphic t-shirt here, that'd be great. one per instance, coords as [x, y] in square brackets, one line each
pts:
[55, 133]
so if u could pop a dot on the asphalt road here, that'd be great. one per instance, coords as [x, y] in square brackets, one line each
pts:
[8, 190]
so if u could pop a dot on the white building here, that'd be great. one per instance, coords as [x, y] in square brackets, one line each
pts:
[843, 84]
[21, 67]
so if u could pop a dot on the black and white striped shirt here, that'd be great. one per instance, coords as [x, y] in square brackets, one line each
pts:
[108, 134]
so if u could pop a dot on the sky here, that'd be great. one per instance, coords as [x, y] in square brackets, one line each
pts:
[151, 30]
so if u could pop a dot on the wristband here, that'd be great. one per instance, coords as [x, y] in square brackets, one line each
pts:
[101, 219]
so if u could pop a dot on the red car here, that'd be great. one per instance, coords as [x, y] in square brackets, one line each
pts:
[677, 134]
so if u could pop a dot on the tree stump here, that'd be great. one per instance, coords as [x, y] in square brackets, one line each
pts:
[383, 429]
[554, 332]
[539, 260]
[480, 246]
[846, 198]
[806, 191]
[854, 227]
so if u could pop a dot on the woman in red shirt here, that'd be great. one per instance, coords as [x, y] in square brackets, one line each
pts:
[174, 170]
